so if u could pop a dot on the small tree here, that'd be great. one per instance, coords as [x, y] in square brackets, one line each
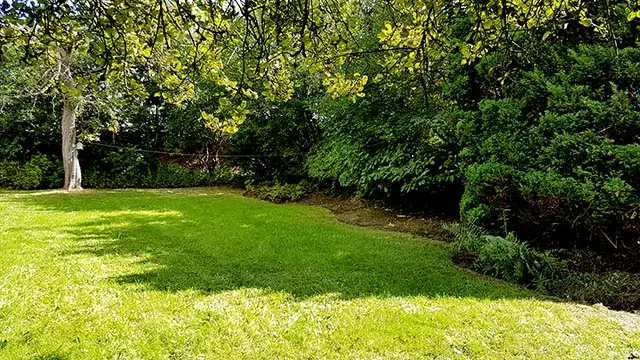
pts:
[82, 53]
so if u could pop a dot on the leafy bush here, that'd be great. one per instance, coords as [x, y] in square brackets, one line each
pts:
[489, 191]
[52, 171]
[468, 237]
[550, 152]
[515, 261]
[387, 146]
[170, 175]
[225, 174]
[28, 177]
[14, 175]
[38, 173]
[164, 176]
[8, 172]
[278, 193]
[505, 258]
[508, 257]
[109, 169]
[281, 135]
[554, 155]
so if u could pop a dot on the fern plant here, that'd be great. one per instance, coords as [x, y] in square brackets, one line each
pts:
[467, 236]
[508, 257]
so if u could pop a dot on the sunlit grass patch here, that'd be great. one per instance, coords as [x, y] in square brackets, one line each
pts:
[208, 274]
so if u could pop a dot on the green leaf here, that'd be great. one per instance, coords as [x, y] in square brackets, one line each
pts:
[586, 22]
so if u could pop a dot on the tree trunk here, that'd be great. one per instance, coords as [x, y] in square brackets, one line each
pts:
[72, 174]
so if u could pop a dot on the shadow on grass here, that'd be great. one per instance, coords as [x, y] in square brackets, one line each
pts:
[211, 242]
[52, 356]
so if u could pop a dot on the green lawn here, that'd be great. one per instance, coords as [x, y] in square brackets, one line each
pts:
[208, 274]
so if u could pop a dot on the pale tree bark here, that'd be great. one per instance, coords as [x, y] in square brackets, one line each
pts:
[72, 174]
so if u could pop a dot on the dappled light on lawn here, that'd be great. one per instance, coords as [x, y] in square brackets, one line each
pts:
[207, 273]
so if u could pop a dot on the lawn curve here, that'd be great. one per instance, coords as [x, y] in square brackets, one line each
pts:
[207, 273]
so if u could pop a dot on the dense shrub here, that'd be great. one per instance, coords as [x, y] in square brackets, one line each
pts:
[468, 237]
[169, 175]
[551, 153]
[515, 261]
[52, 171]
[575, 275]
[388, 146]
[555, 156]
[229, 175]
[545, 142]
[164, 176]
[14, 175]
[29, 128]
[39, 172]
[280, 136]
[278, 193]
[508, 257]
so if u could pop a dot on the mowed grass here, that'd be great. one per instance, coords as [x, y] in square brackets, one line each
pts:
[208, 274]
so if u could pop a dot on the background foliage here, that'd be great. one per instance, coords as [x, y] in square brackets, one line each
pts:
[522, 119]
